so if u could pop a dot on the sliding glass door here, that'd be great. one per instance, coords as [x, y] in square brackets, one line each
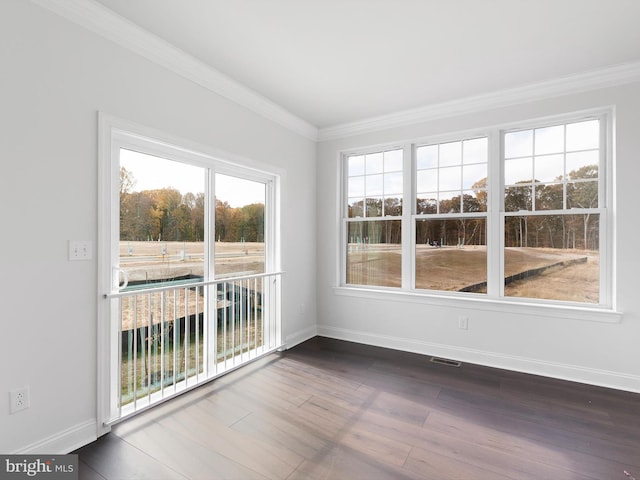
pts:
[193, 280]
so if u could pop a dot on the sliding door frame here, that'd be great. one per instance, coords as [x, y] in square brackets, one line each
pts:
[114, 134]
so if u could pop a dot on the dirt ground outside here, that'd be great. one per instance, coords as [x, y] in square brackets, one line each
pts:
[578, 282]
[152, 261]
[149, 262]
[445, 268]
[568, 275]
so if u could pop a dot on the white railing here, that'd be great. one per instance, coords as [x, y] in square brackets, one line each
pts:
[171, 338]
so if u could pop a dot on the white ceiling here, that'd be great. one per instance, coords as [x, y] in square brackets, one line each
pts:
[332, 62]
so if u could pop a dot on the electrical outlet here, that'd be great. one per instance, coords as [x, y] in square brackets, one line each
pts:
[463, 322]
[19, 399]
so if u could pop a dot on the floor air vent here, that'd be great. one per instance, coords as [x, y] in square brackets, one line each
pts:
[445, 361]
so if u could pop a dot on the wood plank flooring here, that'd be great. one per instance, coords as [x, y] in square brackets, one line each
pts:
[328, 409]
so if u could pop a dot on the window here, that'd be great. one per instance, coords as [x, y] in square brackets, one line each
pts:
[451, 220]
[509, 213]
[552, 212]
[374, 213]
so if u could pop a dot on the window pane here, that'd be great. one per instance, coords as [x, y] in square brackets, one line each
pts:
[355, 187]
[549, 197]
[393, 161]
[583, 135]
[374, 207]
[450, 178]
[374, 185]
[373, 163]
[162, 207]
[393, 206]
[582, 194]
[549, 140]
[553, 257]
[549, 168]
[427, 157]
[374, 253]
[474, 201]
[520, 170]
[239, 247]
[356, 207]
[517, 198]
[450, 202]
[393, 183]
[518, 144]
[427, 180]
[583, 164]
[356, 165]
[475, 151]
[451, 255]
[450, 154]
[427, 203]
[473, 174]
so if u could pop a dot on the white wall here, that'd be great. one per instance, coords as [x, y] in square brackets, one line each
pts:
[577, 349]
[54, 78]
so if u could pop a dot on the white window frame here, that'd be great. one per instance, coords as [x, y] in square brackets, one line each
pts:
[404, 218]
[605, 311]
[438, 140]
[605, 199]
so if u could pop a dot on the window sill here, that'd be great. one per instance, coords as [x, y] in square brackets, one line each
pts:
[592, 314]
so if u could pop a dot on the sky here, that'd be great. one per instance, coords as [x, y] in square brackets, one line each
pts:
[558, 150]
[151, 172]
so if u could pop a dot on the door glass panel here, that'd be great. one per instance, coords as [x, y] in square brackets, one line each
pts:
[161, 243]
[239, 229]
[161, 219]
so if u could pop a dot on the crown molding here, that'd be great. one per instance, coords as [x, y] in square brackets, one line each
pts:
[104, 22]
[592, 80]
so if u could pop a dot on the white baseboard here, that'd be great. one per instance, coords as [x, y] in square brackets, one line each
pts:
[591, 376]
[300, 336]
[63, 442]
[79, 435]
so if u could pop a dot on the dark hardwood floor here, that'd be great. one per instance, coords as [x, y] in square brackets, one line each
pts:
[328, 409]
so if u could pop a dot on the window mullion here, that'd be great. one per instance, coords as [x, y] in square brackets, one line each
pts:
[495, 218]
[408, 208]
[209, 225]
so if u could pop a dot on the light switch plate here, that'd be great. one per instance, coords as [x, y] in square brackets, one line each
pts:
[80, 250]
